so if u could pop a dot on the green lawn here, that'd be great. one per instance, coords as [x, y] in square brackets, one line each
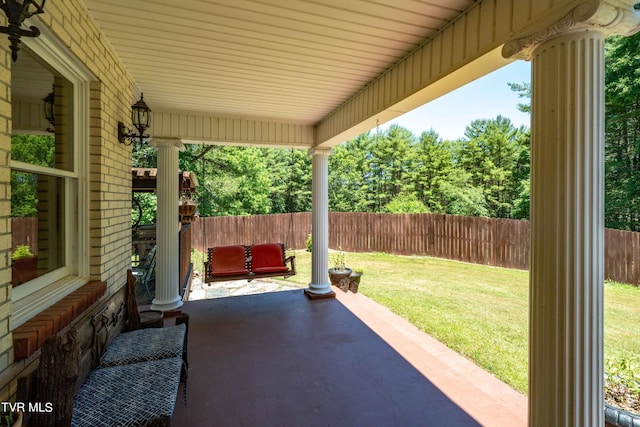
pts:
[479, 311]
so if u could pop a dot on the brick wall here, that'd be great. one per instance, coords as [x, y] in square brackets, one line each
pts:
[6, 356]
[109, 165]
[109, 161]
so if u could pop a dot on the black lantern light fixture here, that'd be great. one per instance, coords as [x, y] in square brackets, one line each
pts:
[17, 11]
[49, 110]
[140, 116]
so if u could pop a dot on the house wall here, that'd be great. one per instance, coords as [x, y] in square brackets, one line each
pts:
[109, 165]
[5, 211]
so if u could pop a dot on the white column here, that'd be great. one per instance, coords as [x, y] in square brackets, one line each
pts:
[167, 297]
[567, 216]
[567, 232]
[320, 287]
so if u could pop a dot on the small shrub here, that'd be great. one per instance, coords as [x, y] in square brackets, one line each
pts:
[309, 243]
[339, 260]
[405, 203]
[22, 251]
[625, 371]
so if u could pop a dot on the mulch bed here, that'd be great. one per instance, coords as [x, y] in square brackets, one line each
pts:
[621, 397]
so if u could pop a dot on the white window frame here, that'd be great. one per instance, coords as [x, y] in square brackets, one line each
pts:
[36, 295]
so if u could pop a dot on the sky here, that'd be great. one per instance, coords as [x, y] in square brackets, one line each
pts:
[485, 98]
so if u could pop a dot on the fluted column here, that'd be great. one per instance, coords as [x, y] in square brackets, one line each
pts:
[567, 232]
[567, 214]
[167, 297]
[320, 287]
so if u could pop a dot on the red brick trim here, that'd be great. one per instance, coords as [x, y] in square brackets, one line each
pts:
[30, 336]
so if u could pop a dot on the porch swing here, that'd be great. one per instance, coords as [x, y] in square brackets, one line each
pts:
[247, 262]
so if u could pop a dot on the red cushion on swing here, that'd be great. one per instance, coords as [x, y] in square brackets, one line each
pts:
[228, 261]
[267, 258]
[271, 270]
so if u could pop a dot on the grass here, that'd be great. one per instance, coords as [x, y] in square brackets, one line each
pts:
[478, 311]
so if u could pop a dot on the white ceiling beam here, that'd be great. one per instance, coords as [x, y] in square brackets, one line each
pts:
[209, 129]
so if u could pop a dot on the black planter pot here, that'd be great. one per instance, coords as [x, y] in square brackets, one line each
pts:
[355, 282]
[619, 417]
[336, 277]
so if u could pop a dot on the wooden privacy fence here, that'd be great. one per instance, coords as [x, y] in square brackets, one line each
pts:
[478, 240]
[24, 231]
[496, 242]
[622, 256]
[290, 229]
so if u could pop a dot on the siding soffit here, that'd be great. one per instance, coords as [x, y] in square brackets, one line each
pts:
[283, 62]
[463, 42]
[467, 49]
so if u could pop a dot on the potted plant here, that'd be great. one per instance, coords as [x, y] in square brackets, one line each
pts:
[355, 280]
[24, 265]
[187, 208]
[339, 274]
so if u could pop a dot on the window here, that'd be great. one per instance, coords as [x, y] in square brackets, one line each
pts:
[48, 161]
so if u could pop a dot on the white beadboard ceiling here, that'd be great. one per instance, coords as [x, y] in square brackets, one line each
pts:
[287, 60]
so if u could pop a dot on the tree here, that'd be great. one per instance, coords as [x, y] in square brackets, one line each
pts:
[148, 207]
[290, 174]
[350, 178]
[24, 195]
[432, 166]
[405, 203]
[145, 155]
[249, 180]
[244, 190]
[460, 197]
[522, 176]
[36, 150]
[490, 154]
[390, 165]
[524, 91]
[622, 132]
[521, 205]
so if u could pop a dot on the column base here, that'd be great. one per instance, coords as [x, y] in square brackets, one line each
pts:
[319, 291]
[313, 296]
[166, 305]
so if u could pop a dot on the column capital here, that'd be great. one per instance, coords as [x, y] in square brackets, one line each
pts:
[320, 151]
[168, 143]
[609, 17]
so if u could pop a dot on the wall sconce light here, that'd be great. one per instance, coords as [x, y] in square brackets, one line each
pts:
[17, 11]
[49, 110]
[140, 119]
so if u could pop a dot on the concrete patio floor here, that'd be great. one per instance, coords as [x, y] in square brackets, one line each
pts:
[279, 359]
[199, 290]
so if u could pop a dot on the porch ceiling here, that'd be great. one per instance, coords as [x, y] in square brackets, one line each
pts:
[293, 61]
